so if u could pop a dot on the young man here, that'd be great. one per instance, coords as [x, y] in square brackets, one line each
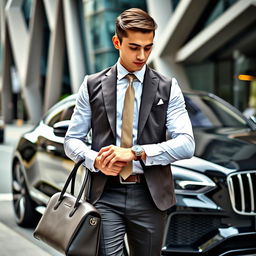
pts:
[130, 109]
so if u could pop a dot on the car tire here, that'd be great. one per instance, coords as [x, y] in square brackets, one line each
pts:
[24, 208]
[1, 137]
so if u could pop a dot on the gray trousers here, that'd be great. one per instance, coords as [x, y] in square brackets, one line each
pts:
[130, 209]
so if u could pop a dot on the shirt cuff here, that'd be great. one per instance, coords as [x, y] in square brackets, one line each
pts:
[151, 151]
[155, 155]
[89, 160]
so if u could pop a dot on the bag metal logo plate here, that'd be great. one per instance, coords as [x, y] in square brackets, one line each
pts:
[93, 221]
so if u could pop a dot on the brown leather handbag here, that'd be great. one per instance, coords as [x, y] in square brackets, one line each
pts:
[69, 224]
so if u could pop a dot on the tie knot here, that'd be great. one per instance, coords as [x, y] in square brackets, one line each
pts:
[130, 77]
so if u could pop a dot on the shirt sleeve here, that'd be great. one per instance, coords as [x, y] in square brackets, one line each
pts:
[80, 124]
[179, 129]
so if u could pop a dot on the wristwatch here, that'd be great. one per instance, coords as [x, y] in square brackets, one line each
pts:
[138, 151]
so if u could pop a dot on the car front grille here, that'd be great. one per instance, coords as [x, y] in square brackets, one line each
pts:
[242, 191]
[187, 229]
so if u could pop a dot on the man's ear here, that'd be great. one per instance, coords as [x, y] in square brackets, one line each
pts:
[116, 42]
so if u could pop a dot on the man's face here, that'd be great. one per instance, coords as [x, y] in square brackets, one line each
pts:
[134, 49]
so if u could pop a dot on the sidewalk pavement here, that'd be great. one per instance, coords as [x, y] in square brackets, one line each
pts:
[13, 244]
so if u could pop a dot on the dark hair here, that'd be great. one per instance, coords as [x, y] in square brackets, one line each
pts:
[134, 19]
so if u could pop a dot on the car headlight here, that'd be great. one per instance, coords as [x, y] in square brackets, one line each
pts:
[191, 182]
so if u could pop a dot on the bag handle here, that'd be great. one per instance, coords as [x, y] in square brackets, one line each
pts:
[72, 176]
[87, 192]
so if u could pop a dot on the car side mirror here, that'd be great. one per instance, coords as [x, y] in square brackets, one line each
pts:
[60, 128]
[252, 121]
[253, 118]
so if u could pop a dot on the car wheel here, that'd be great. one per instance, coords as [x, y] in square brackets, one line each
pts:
[1, 137]
[25, 213]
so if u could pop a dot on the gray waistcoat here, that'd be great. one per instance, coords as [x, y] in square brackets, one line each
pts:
[151, 128]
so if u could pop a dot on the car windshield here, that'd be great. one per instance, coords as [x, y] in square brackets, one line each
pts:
[207, 112]
[59, 112]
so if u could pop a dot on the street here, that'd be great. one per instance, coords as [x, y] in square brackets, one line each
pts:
[12, 134]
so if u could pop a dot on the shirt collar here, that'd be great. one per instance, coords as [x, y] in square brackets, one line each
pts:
[122, 72]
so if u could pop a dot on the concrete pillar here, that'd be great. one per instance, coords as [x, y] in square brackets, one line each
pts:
[74, 41]
[26, 49]
[6, 92]
[55, 60]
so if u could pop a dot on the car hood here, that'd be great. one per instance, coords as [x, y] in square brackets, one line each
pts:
[233, 148]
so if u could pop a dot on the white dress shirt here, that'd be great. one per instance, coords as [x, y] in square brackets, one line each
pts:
[178, 125]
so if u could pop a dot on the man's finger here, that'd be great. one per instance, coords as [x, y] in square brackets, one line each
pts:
[111, 172]
[104, 149]
[120, 164]
[105, 154]
[107, 159]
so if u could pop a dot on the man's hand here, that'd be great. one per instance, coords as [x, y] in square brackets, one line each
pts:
[111, 155]
[113, 171]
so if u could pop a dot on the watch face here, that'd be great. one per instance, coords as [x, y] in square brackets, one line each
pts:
[137, 150]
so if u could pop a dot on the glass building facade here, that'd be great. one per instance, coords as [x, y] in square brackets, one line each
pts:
[99, 17]
[219, 72]
[213, 64]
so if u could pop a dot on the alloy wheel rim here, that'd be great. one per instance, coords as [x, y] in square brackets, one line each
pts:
[19, 192]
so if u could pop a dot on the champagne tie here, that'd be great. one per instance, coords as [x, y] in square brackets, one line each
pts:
[127, 123]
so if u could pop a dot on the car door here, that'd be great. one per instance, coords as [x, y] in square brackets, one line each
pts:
[54, 165]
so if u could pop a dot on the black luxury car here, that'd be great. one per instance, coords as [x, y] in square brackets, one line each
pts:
[215, 212]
